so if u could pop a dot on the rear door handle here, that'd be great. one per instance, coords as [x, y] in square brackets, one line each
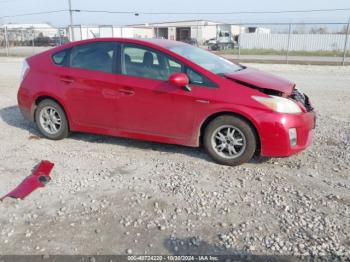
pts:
[67, 80]
[107, 93]
[128, 92]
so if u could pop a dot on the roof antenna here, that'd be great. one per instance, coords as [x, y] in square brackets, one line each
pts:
[93, 34]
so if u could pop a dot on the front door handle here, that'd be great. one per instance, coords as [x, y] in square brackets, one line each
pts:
[128, 92]
[67, 80]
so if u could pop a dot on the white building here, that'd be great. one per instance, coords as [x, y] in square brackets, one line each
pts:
[201, 30]
[43, 29]
[83, 32]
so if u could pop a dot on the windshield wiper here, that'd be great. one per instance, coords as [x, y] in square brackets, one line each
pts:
[240, 69]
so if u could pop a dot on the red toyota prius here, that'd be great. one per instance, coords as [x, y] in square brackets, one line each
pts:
[165, 91]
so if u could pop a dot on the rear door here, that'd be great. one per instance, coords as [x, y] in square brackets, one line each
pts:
[91, 84]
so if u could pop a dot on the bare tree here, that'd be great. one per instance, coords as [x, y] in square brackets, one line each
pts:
[300, 29]
[343, 31]
[319, 30]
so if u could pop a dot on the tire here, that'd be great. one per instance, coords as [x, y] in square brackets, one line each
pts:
[42, 117]
[229, 140]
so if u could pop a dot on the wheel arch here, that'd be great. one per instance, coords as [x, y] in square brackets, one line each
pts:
[213, 116]
[42, 98]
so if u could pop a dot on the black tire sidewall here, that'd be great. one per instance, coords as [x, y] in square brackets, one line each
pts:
[238, 123]
[64, 127]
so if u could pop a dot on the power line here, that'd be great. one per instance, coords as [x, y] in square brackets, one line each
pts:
[216, 13]
[7, 1]
[178, 13]
[36, 13]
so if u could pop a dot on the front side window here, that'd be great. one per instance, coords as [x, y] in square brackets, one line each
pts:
[143, 62]
[198, 79]
[194, 77]
[95, 56]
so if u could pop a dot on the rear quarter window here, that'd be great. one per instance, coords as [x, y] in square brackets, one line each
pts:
[60, 58]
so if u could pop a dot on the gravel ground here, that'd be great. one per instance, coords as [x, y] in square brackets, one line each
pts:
[119, 196]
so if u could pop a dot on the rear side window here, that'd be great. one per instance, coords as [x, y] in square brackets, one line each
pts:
[60, 58]
[95, 56]
[137, 54]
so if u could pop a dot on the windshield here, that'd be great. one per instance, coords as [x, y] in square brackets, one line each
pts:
[203, 58]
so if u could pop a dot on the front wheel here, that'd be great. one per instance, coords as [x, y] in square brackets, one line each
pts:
[229, 140]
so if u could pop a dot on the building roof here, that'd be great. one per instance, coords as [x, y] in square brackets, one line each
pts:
[18, 26]
[174, 23]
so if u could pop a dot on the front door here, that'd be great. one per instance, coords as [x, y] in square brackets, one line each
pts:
[146, 102]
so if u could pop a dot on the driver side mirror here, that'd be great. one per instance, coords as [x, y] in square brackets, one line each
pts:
[180, 80]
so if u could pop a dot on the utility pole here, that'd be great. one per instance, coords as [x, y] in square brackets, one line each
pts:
[6, 41]
[71, 19]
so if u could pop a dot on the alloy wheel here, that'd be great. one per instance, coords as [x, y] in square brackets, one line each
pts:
[50, 120]
[228, 142]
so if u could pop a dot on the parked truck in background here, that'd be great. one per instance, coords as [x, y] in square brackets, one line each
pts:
[224, 38]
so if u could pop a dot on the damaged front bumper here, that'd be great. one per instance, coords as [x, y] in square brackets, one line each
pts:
[291, 133]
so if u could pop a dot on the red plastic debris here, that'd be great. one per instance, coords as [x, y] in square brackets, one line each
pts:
[39, 177]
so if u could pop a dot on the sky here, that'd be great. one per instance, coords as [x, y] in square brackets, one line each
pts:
[14, 7]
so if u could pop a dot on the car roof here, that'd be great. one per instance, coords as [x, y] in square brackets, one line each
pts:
[156, 43]
[142, 41]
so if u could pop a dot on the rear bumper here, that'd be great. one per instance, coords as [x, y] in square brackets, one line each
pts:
[274, 133]
[25, 105]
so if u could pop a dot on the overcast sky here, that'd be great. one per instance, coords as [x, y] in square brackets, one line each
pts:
[12, 7]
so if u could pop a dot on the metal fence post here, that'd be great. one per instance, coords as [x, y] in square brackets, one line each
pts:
[197, 35]
[288, 44]
[60, 36]
[6, 42]
[33, 42]
[346, 41]
[239, 41]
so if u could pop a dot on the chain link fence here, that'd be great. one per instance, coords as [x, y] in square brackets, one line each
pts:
[292, 43]
[29, 41]
[309, 43]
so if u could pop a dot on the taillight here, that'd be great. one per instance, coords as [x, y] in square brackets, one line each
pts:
[25, 69]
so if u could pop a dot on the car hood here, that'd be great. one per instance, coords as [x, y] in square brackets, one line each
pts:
[257, 79]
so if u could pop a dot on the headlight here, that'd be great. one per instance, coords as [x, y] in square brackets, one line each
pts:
[279, 104]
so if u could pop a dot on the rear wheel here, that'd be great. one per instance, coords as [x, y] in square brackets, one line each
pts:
[230, 140]
[51, 120]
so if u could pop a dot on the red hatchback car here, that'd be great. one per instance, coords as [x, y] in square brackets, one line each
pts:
[165, 91]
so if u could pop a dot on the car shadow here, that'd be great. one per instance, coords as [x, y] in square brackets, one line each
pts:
[13, 117]
[139, 144]
[193, 247]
